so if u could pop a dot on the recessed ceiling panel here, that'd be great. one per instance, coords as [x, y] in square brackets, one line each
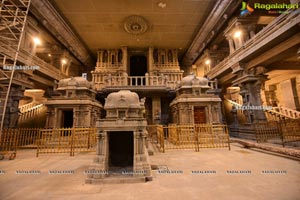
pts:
[100, 24]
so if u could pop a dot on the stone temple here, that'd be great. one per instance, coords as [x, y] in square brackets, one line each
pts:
[121, 139]
[123, 80]
[245, 56]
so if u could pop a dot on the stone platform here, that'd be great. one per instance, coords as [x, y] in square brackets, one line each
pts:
[215, 174]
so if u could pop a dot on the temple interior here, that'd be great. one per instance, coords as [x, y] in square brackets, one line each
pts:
[129, 79]
[148, 47]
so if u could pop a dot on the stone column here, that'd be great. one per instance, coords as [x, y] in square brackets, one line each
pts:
[175, 56]
[251, 29]
[87, 117]
[50, 117]
[100, 161]
[252, 98]
[100, 58]
[125, 57]
[12, 108]
[76, 117]
[150, 59]
[231, 44]
[108, 57]
[238, 42]
[156, 110]
[57, 118]
[68, 65]
[259, 115]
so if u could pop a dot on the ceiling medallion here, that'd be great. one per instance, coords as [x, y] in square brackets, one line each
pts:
[135, 24]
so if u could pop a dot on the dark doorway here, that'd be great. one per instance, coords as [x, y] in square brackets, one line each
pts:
[120, 149]
[165, 112]
[138, 67]
[199, 115]
[67, 118]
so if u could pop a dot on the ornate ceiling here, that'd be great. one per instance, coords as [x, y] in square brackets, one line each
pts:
[135, 23]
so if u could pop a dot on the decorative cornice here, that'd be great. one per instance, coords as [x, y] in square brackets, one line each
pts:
[46, 14]
[217, 17]
[282, 27]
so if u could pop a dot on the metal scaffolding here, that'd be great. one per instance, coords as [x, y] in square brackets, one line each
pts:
[13, 15]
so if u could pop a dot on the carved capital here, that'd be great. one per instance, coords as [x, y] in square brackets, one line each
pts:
[237, 67]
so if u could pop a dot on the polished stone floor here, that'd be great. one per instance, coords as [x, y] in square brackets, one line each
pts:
[211, 174]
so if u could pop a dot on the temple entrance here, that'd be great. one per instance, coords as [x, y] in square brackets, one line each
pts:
[199, 115]
[138, 67]
[120, 150]
[67, 119]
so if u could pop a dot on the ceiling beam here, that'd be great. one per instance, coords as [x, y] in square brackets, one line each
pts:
[285, 65]
[48, 15]
[217, 17]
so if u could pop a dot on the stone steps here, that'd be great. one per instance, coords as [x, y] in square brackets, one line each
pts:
[117, 180]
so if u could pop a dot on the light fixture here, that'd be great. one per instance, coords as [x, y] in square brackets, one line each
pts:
[161, 4]
[64, 61]
[207, 62]
[37, 41]
[49, 55]
[237, 34]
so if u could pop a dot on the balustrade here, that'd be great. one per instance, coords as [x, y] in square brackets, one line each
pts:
[277, 112]
[167, 80]
[30, 110]
[26, 107]
[292, 114]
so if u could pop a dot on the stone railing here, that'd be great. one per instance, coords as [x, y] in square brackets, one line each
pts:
[172, 65]
[100, 65]
[233, 103]
[31, 112]
[213, 84]
[27, 107]
[290, 113]
[277, 112]
[167, 80]
[28, 59]
[270, 33]
[44, 67]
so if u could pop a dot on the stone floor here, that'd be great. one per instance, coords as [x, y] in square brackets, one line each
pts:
[239, 174]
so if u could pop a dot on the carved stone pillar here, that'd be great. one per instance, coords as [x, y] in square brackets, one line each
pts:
[251, 81]
[125, 57]
[12, 109]
[238, 42]
[259, 115]
[150, 59]
[251, 30]
[100, 58]
[109, 57]
[175, 56]
[231, 44]
[50, 117]
[250, 91]
[76, 116]
[156, 110]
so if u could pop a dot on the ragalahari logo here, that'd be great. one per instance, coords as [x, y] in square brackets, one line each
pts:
[246, 9]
